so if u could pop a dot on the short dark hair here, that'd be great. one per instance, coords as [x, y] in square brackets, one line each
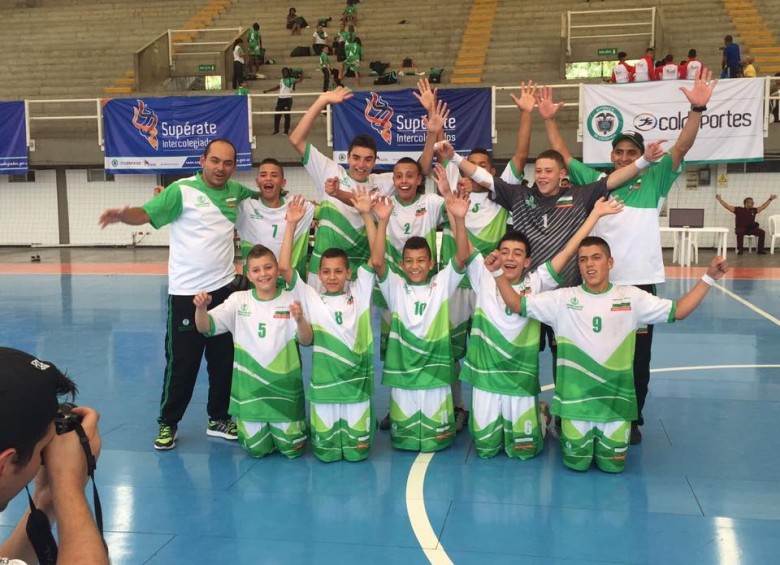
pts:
[335, 253]
[482, 151]
[416, 242]
[622, 55]
[691, 53]
[649, 49]
[362, 140]
[669, 58]
[597, 241]
[259, 251]
[554, 155]
[207, 150]
[256, 26]
[275, 163]
[728, 39]
[518, 236]
[746, 199]
[409, 161]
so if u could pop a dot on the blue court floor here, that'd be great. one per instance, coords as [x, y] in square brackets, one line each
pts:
[702, 488]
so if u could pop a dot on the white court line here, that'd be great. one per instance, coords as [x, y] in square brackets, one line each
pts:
[418, 517]
[744, 302]
[713, 367]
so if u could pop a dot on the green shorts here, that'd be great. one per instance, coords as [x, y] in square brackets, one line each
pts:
[261, 438]
[502, 420]
[608, 441]
[422, 420]
[341, 431]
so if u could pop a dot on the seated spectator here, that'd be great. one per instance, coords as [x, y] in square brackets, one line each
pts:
[623, 73]
[644, 69]
[319, 40]
[745, 221]
[748, 70]
[295, 22]
[692, 68]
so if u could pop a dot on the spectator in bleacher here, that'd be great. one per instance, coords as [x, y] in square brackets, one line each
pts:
[284, 102]
[748, 70]
[238, 63]
[644, 69]
[692, 68]
[328, 70]
[295, 23]
[343, 37]
[255, 44]
[354, 52]
[623, 73]
[349, 15]
[319, 39]
[745, 221]
[670, 70]
[774, 105]
[731, 58]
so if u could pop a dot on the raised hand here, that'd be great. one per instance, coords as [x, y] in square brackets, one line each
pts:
[434, 122]
[444, 150]
[296, 311]
[458, 204]
[202, 300]
[718, 267]
[606, 207]
[425, 95]
[702, 89]
[332, 186]
[494, 261]
[654, 151]
[296, 209]
[547, 108]
[112, 216]
[361, 200]
[527, 99]
[439, 175]
[465, 186]
[383, 207]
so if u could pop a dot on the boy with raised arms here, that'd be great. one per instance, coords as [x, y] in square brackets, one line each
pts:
[263, 220]
[502, 361]
[596, 328]
[267, 392]
[342, 376]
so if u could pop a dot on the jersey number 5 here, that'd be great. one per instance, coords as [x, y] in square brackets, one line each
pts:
[261, 330]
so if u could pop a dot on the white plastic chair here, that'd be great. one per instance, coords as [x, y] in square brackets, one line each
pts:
[774, 229]
[750, 243]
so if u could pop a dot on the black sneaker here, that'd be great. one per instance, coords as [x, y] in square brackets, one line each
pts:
[385, 423]
[636, 434]
[461, 418]
[762, 252]
[226, 429]
[166, 439]
[555, 428]
[740, 251]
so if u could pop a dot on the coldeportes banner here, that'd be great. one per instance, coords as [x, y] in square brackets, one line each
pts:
[13, 138]
[168, 135]
[731, 128]
[394, 119]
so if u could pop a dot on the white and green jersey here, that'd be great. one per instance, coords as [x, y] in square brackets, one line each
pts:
[267, 379]
[418, 350]
[420, 218]
[596, 335]
[503, 351]
[253, 40]
[201, 237]
[343, 355]
[633, 235]
[258, 223]
[485, 222]
[341, 226]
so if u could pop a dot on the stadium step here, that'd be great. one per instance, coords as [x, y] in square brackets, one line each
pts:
[475, 42]
[465, 80]
[118, 90]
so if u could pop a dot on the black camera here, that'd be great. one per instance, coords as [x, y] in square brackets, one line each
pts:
[66, 420]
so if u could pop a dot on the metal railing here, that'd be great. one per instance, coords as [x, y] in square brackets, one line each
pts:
[173, 44]
[577, 21]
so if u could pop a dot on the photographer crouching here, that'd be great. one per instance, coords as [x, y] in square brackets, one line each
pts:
[57, 445]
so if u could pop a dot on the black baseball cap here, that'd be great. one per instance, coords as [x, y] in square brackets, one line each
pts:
[633, 136]
[28, 397]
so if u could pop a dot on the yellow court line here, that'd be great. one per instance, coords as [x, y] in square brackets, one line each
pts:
[418, 517]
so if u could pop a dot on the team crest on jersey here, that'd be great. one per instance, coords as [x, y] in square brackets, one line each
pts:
[565, 202]
[574, 304]
[201, 201]
[145, 121]
[230, 202]
[530, 202]
[255, 214]
[636, 185]
[420, 212]
[379, 115]
[243, 310]
[621, 305]
[283, 314]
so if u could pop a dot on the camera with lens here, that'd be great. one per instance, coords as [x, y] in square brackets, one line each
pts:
[66, 420]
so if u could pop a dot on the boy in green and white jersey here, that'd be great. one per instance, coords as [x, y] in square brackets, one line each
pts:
[267, 392]
[341, 226]
[263, 220]
[418, 363]
[502, 361]
[342, 376]
[596, 328]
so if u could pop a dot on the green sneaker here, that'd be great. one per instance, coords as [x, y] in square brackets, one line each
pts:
[226, 429]
[166, 439]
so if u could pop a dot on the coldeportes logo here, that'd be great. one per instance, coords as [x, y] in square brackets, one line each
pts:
[145, 121]
[605, 122]
[645, 122]
[379, 115]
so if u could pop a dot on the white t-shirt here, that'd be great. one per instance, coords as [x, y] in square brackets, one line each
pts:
[692, 70]
[641, 72]
[670, 71]
[621, 74]
[238, 54]
[320, 40]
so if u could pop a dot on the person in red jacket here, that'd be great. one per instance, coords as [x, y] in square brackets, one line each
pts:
[645, 67]
[623, 72]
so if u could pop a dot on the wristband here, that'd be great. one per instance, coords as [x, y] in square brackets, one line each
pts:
[498, 273]
[642, 163]
[456, 159]
[708, 279]
[698, 108]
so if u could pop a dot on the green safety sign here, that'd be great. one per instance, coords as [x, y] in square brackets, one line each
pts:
[207, 68]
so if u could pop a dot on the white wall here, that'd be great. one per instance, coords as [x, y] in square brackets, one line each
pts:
[28, 211]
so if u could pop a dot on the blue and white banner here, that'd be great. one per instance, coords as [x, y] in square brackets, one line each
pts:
[394, 119]
[13, 138]
[168, 135]
[731, 128]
